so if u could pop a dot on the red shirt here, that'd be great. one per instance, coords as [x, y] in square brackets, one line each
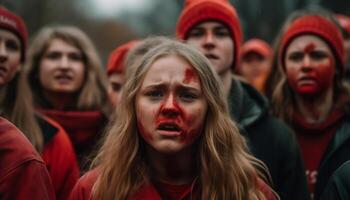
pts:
[61, 161]
[23, 174]
[313, 140]
[82, 190]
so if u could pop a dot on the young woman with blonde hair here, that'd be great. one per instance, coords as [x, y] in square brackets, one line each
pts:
[48, 138]
[69, 85]
[174, 138]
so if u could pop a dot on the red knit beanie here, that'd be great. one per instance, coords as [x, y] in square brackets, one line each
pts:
[258, 46]
[196, 11]
[319, 26]
[15, 24]
[117, 57]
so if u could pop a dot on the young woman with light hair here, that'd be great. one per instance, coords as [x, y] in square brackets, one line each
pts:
[69, 85]
[174, 138]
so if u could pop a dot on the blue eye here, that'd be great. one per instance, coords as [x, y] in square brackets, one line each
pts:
[188, 96]
[155, 94]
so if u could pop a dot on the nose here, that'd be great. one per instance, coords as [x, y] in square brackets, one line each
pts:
[3, 52]
[209, 40]
[64, 62]
[170, 107]
[306, 63]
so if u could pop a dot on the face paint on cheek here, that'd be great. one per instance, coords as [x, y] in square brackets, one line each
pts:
[190, 133]
[325, 75]
[309, 48]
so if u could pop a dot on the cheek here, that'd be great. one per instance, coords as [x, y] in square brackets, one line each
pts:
[80, 72]
[326, 74]
[145, 120]
[194, 122]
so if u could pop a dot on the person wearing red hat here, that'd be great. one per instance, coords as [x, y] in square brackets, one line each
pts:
[116, 71]
[69, 85]
[311, 95]
[255, 63]
[49, 138]
[212, 26]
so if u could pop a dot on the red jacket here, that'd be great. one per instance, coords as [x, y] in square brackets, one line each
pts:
[23, 174]
[82, 190]
[84, 128]
[59, 157]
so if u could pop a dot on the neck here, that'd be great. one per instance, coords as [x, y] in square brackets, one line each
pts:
[59, 101]
[226, 80]
[316, 108]
[179, 168]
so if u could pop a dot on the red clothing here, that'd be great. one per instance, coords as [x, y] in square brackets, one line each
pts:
[23, 174]
[60, 159]
[84, 128]
[82, 190]
[314, 140]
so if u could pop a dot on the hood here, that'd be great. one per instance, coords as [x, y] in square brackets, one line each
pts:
[246, 104]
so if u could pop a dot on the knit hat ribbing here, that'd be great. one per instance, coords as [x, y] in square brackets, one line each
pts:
[196, 11]
[319, 26]
[117, 57]
[14, 23]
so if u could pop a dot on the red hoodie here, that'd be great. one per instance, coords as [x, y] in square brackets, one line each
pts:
[23, 174]
[82, 190]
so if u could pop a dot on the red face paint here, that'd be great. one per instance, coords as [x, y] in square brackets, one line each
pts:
[309, 48]
[189, 76]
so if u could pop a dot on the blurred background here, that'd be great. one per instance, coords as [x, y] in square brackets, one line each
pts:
[110, 23]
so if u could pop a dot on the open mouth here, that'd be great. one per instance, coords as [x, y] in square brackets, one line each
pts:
[212, 56]
[169, 129]
[63, 77]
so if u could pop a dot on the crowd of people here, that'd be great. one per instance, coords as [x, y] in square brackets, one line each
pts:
[203, 115]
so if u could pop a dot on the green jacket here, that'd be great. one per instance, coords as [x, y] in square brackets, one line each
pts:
[337, 153]
[270, 140]
[338, 188]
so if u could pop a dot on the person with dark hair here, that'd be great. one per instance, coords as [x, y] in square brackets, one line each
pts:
[213, 27]
[311, 95]
[48, 138]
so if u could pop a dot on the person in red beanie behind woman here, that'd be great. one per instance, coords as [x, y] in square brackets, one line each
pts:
[212, 26]
[49, 138]
[116, 71]
[311, 95]
[69, 85]
[165, 147]
[255, 63]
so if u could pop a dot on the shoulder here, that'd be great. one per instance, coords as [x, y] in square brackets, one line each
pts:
[82, 190]
[266, 190]
[339, 184]
[15, 148]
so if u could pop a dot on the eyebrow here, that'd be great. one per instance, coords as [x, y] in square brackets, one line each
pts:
[164, 85]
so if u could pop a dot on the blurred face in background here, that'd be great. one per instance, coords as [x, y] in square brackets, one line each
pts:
[310, 65]
[116, 82]
[213, 39]
[10, 56]
[255, 66]
[170, 106]
[62, 68]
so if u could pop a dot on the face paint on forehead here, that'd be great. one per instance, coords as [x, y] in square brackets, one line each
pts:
[309, 48]
[190, 75]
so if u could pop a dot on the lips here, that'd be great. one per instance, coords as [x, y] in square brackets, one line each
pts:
[211, 56]
[307, 80]
[63, 77]
[169, 129]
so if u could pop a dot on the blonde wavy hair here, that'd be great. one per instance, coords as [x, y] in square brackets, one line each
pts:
[225, 169]
[93, 94]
